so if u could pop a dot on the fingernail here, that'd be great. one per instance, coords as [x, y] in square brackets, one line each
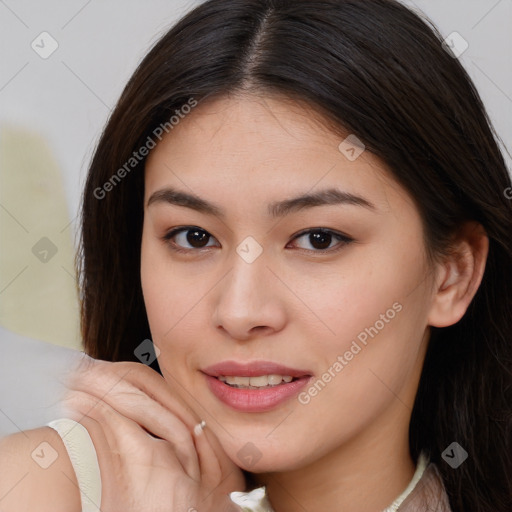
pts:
[198, 429]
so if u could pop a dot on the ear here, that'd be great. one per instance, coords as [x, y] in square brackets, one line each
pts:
[459, 275]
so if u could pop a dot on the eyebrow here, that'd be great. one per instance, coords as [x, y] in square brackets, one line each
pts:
[327, 197]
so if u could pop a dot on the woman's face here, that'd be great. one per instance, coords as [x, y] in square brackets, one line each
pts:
[296, 258]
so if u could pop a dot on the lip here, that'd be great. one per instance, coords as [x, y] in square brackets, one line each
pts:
[254, 400]
[253, 369]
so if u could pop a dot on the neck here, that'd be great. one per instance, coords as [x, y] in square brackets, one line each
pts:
[366, 474]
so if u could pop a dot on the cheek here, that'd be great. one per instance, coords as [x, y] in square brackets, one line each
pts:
[373, 321]
[363, 292]
[159, 287]
[172, 297]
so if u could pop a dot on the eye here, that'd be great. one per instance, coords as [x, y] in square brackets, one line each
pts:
[321, 239]
[188, 238]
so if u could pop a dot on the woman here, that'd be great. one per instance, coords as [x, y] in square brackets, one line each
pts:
[304, 207]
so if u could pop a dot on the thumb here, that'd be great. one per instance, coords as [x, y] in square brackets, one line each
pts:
[217, 470]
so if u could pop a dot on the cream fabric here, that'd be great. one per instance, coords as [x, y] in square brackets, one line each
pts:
[83, 457]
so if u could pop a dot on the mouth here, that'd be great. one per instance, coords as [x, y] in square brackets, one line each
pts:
[256, 386]
[259, 382]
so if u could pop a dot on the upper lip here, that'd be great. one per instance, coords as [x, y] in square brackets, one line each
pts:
[252, 369]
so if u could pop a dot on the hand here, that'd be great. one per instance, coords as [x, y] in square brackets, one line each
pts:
[150, 459]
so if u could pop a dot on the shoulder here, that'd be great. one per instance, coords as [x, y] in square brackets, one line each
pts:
[36, 473]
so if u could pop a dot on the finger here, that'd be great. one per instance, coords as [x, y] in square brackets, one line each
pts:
[227, 466]
[156, 419]
[156, 387]
[208, 463]
[139, 376]
[126, 437]
[106, 446]
[103, 453]
[218, 472]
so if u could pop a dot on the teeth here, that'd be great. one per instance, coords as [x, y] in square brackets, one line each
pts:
[261, 381]
[274, 380]
[240, 381]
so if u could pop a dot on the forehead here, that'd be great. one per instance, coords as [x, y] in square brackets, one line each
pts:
[259, 147]
[242, 122]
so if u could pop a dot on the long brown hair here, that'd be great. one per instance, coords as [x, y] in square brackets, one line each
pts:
[381, 72]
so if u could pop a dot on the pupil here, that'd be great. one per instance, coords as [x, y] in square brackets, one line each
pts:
[197, 238]
[320, 240]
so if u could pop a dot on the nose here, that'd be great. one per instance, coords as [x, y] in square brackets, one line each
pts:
[249, 301]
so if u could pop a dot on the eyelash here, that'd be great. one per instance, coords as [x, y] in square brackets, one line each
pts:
[343, 239]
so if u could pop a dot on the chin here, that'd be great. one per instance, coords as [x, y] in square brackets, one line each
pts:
[260, 456]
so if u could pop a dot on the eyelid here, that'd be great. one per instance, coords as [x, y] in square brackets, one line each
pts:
[343, 239]
[322, 230]
[175, 231]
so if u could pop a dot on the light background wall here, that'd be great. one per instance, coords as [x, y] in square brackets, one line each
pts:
[52, 111]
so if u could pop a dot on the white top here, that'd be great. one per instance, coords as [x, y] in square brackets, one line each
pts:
[85, 463]
[256, 500]
[420, 469]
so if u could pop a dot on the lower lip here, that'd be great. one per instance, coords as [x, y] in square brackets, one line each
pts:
[255, 400]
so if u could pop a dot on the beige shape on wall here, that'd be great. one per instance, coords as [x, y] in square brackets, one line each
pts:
[38, 287]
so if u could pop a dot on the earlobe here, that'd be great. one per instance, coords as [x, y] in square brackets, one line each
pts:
[460, 275]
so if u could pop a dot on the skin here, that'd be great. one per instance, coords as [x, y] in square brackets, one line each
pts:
[25, 485]
[296, 304]
[293, 305]
[150, 458]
